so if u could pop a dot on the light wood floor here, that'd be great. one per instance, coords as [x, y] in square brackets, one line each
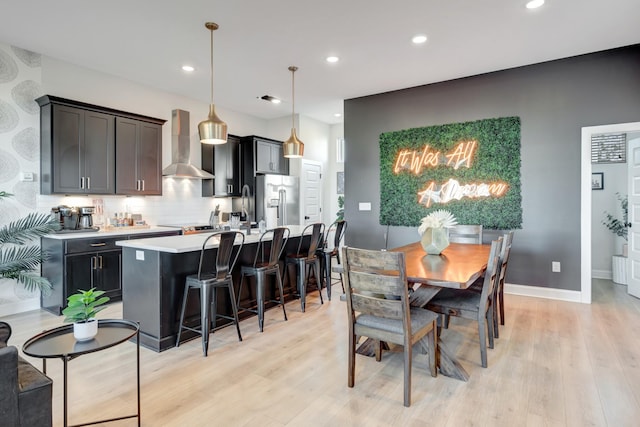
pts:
[555, 364]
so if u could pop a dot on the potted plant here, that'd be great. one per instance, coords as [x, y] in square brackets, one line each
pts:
[82, 308]
[434, 237]
[617, 226]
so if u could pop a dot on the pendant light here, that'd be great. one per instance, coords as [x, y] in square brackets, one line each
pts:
[213, 130]
[293, 147]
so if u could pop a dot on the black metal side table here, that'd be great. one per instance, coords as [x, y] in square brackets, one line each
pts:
[60, 343]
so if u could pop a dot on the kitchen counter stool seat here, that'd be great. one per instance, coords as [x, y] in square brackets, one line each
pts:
[209, 282]
[260, 269]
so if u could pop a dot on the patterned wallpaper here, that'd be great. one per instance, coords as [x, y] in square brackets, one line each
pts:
[20, 84]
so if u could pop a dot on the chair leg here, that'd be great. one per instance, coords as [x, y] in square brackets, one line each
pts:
[280, 288]
[501, 298]
[482, 326]
[489, 320]
[341, 282]
[205, 318]
[445, 323]
[318, 276]
[260, 288]
[184, 305]
[407, 374]
[302, 283]
[378, 350]
[351, 370]
[327, 272]
[234, 307]
[433, 350]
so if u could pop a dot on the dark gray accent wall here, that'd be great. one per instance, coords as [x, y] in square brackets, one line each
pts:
[554, 100]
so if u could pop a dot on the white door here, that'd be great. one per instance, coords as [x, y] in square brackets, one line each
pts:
[633, 263]
[311, 189]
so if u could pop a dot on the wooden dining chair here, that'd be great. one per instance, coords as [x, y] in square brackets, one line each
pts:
[473, 305]
[462, 233]
[377, 289]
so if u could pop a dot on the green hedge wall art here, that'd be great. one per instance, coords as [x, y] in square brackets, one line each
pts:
[471, 169]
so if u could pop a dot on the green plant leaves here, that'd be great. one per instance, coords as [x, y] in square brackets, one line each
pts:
[496, 159]
[84, 305]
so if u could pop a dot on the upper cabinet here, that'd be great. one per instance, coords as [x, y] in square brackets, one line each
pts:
[223, 161]
[87, 149]
[263, 156]
[138, 157]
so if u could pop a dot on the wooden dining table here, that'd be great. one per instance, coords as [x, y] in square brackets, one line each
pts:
[457, 267]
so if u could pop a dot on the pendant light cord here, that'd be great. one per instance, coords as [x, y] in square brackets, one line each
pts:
[211, 66]
[293, 95]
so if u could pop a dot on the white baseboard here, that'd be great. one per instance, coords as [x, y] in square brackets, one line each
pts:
[540, 292]
[602, 274]
[15, 307]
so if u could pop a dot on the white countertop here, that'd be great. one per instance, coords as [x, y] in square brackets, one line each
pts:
[122, 231]
[191, 242]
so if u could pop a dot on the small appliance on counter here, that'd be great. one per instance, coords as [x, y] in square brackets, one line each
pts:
[73, 219]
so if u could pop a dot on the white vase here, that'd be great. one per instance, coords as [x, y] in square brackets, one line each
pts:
[434, 240]
[85, 331]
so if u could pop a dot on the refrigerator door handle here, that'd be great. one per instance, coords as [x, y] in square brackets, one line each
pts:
[282, 206]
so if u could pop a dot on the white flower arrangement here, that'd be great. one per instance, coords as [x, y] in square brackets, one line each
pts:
[437, 219]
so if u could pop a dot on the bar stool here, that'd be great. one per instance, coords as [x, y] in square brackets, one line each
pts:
[339, 227]
[208, 283]
[304, 261]
[261, 268]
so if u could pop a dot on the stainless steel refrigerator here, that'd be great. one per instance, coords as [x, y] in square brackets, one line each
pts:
[278, 200]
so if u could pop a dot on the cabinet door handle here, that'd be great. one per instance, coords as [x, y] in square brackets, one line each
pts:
[82, 182]
[100, 263]
[88, 183]
[137, 185]
[93, 262]
[95, 245]
[142, 180]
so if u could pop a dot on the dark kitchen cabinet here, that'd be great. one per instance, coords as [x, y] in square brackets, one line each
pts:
[138, 157]
[78, 149]
[262, 156]
[224, 162]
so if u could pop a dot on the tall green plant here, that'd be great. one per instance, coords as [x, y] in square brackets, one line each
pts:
[617, 226]
[20, 256]
[340, 213]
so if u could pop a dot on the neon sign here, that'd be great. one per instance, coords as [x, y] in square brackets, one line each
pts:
[453, 190]
[414, 161]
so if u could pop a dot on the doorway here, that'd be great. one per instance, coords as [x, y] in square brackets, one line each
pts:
[585, 200]
[311, 192]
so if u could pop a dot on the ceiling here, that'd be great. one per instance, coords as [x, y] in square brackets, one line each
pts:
[147, 41]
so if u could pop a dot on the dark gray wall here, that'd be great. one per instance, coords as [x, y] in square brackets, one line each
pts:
[554, 100]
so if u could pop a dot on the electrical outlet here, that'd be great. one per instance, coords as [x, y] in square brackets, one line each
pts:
[555, 266]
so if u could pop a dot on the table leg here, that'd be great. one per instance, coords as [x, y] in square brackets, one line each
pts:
[64, 387]
[138, 370]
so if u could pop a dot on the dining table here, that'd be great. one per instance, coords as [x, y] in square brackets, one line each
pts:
[458, 266]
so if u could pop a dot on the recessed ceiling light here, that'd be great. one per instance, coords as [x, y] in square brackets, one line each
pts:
[332, 59]
[534, 4]
[271, 99]
[187, 68]
[419, 39]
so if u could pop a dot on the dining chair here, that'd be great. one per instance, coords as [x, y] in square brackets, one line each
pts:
[466, 234]
[473, 305]
[306, 260]
[276, 239]
[208, 282]
[377, 289]
[337, 229]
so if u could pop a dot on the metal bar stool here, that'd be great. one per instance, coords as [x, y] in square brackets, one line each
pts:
[339, 227]
[304, 261]
[208, 283]
[261, 268]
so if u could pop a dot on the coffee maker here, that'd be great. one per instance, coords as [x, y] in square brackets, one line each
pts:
[67, 216]
[85, 215]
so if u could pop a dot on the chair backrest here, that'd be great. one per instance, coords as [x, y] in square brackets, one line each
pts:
[341, 228]
[504, 256]
[376, 284]
[279, 238]
[466, 234]
[490, 274]
[317, 238]
[223, 265]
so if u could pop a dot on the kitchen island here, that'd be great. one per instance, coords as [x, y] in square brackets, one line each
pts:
[153, 278]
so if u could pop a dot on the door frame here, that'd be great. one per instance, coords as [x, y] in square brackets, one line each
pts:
[585, 200]
[303, 189]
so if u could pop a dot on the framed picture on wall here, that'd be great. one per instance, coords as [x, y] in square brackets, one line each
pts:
[597, 181]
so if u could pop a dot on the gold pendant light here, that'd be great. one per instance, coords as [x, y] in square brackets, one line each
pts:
[293, 147]
[213, 130]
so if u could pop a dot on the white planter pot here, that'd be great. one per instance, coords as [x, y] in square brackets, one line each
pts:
[85, 331]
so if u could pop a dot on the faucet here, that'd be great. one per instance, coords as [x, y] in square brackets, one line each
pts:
[245, 196]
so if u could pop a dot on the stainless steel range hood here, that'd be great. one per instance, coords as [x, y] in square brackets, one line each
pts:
[181, 166]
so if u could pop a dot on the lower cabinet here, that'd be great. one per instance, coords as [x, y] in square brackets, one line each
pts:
[75, 264]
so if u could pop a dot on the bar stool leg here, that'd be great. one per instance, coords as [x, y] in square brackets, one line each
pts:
[280, 287]
[260, 279]
[317, 274]
[302, 284]
[327, 273]
[184, 305]
[234, 307]
[205, 318]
